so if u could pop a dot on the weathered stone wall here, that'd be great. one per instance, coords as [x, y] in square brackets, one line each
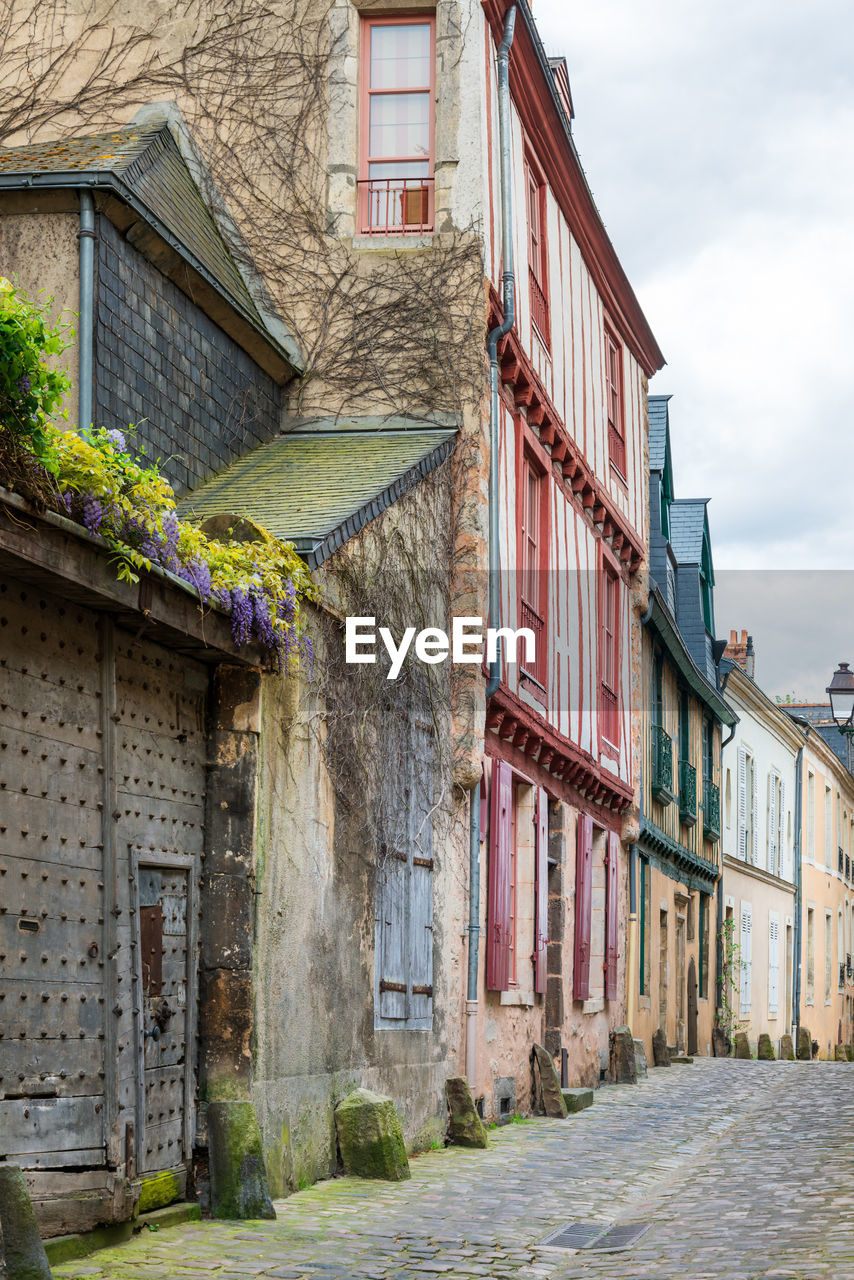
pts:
[314, 1036]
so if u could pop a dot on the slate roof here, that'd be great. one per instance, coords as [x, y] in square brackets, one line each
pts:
[144, 166]
[687, 523]
[658, 414]
[317, 489]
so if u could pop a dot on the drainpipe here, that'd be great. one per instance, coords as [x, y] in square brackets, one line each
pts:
[493, 337]
[508, 293]
[87, 309]
[632, 961]
[796, 942]
[474, 935]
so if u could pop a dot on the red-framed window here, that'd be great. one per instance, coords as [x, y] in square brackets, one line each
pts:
[533, 562]
[609, 656]
[397, 125]
[537, 256]
[614, 398]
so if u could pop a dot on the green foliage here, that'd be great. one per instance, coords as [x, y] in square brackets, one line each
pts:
[727, 1019]
[30, 391]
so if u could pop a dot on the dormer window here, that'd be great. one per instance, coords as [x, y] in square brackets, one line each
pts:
[397, 125]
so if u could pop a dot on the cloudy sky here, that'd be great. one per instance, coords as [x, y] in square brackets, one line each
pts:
[718, 139]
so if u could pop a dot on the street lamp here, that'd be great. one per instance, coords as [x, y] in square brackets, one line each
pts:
[841, 690]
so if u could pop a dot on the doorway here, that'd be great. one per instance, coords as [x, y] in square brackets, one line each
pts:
[663, 974]
[693, 1009]
[680, 983]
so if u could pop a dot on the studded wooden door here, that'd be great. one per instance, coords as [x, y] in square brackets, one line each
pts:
[53, 1018]
[160, 773]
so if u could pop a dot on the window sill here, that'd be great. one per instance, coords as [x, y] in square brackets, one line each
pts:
[618, 475]
[533, 687]
[645, 1003]
[516, 998]
[400, 240]
[594, 1005]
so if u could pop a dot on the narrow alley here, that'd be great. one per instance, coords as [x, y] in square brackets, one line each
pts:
[741, 1169]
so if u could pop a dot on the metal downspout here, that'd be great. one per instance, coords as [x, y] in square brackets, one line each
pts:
[796, 945]
[632, 959]
[87, 309]
[508, 292]
[508, 295]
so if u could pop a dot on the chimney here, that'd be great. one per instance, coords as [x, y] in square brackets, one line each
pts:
[741, 652]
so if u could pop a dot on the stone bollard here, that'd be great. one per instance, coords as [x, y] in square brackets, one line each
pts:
[640, 1059]
[765, 1049]
[238, 1176]
[787, 1049]
[553, 1103]
[660, 1051]
[467, 1129]
[839, 1054]
[370, 1137]
[849, 1049]
[23, 1251]
[804, 1045]
[721, 1043]
[622, 1067]
[742, 1045]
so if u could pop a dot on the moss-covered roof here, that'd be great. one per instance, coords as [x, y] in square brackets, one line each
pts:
[317, 489]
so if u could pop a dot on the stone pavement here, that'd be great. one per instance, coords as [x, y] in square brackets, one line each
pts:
[743, 1169]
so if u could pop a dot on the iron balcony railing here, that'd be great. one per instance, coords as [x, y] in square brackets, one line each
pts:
[662, 765]
[848, 965]
[841, 860]
[616, 449]
[847, 867]
[842, 975]
[391, 206]
[711, 810]
[687, 793]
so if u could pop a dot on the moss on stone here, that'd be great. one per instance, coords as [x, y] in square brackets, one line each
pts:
[239, 1186]
[466, 1125]
[157, 1190]
[765, 1049]
[370, 1137]
[742, 1045]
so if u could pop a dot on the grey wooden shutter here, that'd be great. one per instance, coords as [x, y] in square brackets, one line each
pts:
[421, 876]
[392, 887]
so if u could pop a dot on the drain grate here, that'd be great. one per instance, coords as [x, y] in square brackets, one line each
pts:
[598, 1236]
[619, 1238]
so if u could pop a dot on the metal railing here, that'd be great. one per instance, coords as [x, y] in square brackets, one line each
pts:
[539, 308]
[841, 860]
[662, 765]
[711, 810]
[616, 449]
[391, 206]
[687, 793]
[534, 622]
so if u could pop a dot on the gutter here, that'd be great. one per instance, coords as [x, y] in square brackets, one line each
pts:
[508, 289]
[796, 981]
[86, 327]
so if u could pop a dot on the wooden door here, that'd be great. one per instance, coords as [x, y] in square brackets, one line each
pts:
[680, 983]
[663, 970]
[693, 1010]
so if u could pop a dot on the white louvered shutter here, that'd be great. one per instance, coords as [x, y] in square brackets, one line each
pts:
[746, 922]
[772, 822]
[783, 838]
[755, 816]
[742, 804]
[773, 963]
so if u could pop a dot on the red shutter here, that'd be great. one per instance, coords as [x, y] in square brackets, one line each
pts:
[612, 915]
[542, 924]
[583, 906]
[500, 868]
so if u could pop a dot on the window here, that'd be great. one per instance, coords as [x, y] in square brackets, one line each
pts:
[684, 726]
[811, 816]
[828, 957]
[810, 955]
[533, 535]
[403, 996]
[708, 750]
[609, 658]
[614, 397]
[517, 919]
[537, 260]
[828, 828]
[658, 690]
[776, 822]
[396, 162]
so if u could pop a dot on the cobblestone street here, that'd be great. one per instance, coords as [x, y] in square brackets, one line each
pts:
[743, 1169]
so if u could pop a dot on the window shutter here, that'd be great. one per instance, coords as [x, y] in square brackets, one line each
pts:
[755, 816]
[742, 804]
[421, 875]
[772, 822]
[773, 962]
[746, 922]
[782, 834]
[583, 906]
[392, 936]
[612, 915]
[542, 922]
[498, 901]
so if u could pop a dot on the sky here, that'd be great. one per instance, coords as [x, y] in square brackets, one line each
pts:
[718, 140]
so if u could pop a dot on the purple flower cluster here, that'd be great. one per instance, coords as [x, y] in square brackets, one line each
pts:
[93, 512]
[116, 438]
[23, 386]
